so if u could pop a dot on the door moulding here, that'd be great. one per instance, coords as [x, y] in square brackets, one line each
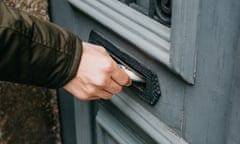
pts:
[155, 128]
[174, 47]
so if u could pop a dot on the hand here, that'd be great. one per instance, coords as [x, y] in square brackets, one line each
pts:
[98, 75]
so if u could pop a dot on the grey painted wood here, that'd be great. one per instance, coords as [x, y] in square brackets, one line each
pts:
[152, 37]
[169, 108]
[203, 113]
[134, 32]
[154, 127]
[233, 125]
[67, 118]
[116, 129]
[83, 122]
[206, 104]
[183, 54]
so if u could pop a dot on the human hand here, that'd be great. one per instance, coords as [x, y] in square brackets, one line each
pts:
[98, 75]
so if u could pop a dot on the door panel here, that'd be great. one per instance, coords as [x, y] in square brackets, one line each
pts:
[159, 123]
[112, 122]
[196, 106]
[171, 101]
[147, 126]
[177, 52]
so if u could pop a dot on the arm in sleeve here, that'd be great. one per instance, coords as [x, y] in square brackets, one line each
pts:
[36, 52]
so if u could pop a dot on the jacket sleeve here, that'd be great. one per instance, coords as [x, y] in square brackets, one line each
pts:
[36, 52]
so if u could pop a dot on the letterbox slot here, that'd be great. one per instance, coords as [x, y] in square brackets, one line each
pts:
[149, 91]
[138, 78]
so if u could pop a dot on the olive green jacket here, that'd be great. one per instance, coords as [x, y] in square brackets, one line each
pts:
[36, 52]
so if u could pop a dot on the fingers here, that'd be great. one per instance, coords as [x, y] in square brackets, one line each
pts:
[89, 91]
[98, 75]
[113, 87]
[101, 95]
[120, 77]
[103, 62]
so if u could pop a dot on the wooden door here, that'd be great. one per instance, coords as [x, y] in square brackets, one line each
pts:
[186, 50]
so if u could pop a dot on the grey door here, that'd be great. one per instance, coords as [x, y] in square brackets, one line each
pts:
[188, 53]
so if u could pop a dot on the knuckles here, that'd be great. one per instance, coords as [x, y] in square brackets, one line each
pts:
[118, 90]
[107, 96]
[108, 66]
[102, 81]
[92, 90]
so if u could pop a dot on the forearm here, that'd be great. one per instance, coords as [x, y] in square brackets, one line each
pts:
[36, 52]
